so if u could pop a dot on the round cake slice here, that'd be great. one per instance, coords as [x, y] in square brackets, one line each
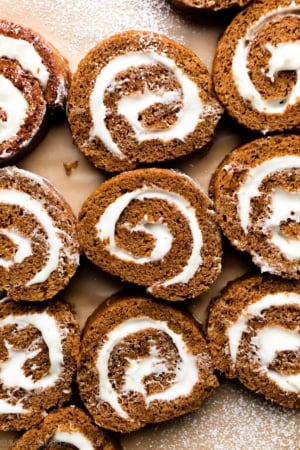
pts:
[253, 331]
[65, 428]
[39, 247]
[257, 201]
[142, 362]
[155, 228]
[256, 70]
[139, 97]
[39, 347]
[38, 57]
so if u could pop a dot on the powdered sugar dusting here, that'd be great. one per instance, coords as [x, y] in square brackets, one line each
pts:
[82, 24]
[232, 419]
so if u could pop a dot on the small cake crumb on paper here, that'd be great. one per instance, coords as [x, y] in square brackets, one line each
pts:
[69, 166]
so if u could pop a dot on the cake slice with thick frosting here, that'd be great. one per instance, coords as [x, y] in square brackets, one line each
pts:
[141, 362]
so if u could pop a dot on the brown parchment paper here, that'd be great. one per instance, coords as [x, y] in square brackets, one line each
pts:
[232, 418]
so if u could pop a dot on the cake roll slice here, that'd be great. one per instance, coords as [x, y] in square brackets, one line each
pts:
[39, 347]
[141, 362]
[257, 201]
[210, 5]
[39, 246]
[65, 428]
[256, 69]
[139, 97]
[39, 58]
[253, 331]
[155, 228]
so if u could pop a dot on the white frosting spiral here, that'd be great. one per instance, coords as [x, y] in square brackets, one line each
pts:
[75, 438]
[270, 340]
[12, 375]
[27, 56]
[284, 205]
[283, 56]
[131, 105]
[163, 239]
[186, 372]
[54, 236]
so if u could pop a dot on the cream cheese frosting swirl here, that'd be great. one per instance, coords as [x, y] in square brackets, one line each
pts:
[257, 197]
[147, 99]
[260, 338]
[39, 344]
[149, 357]
[263, 66]
[37, 246]
[153, 227]
[36, 56]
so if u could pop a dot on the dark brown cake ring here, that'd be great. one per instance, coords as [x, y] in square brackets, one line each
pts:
[39, 247]
[39, 58]
[63, 428]
[253, 331]
[39, 345]
[138, 97]
[214, 5]
[155, 228]
[142, 362]
[256, 69]
[256, 193]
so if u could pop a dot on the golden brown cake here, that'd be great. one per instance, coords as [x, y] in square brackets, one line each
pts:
[64, 429]
[39, 247]
[214, 5]
[142, 362]
[155, 228]
[38, 57]
[138, 97]
[253, 333]
[39, 345]
[257, 201]
[256, 69]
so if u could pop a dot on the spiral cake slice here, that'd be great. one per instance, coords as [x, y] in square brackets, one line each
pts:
[142, 362]
[39, 346]
[254, 334]
[39, 58]
[63, 428]
[256, 192]
[256, 68]
[39, 247]
[215, 5]
[138, 97]
[155, 228]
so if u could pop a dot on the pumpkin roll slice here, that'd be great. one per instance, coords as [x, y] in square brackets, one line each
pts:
[256, 192]
[39, 247]
[155, 228]
[65, 428]
[213, 5]
[39, 345]
[142, 362]
[22, 111]
[138, 97]
[256, 70]
[38, 58]
[254, 334]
